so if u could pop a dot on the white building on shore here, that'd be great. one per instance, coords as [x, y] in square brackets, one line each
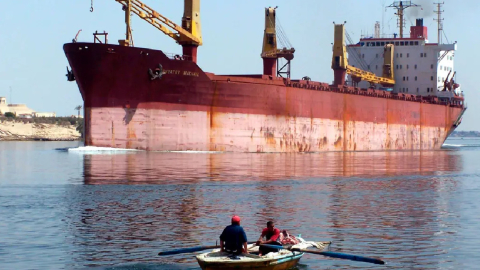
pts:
[21, 110]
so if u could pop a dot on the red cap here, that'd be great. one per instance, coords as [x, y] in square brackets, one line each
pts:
[236, 219]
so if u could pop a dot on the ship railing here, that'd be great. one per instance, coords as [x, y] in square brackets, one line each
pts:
[372, 93]
[179, 57]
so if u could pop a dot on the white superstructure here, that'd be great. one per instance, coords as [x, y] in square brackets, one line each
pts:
[420, 68]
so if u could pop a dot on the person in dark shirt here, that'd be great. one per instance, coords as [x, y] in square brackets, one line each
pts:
[233, 238]
[272, 237]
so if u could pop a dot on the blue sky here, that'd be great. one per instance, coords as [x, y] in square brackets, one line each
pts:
[32, 33]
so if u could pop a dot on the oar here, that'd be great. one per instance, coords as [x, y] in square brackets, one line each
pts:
[186, 250]
[332, 254]
[189, 250]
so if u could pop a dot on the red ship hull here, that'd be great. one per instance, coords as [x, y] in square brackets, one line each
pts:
[188, 109]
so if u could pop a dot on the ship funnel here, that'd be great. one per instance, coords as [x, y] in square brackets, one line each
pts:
[419, 31]
[420, 22]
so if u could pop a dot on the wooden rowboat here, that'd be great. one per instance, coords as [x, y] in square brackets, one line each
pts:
[281, 260]
[224, 261]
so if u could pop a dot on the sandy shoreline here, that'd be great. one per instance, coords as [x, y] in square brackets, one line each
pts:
[20, 131]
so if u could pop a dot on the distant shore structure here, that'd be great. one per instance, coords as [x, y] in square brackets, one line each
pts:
[21, 110]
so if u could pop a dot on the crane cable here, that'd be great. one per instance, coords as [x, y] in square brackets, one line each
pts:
[282, 32]
[91, 6]
[356, 53]
[282, 37]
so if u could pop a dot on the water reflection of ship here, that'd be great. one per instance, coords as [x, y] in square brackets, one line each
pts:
[168, 209]
[160, 168]
[400, 213]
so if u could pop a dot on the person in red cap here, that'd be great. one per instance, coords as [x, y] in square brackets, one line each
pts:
[272, 237]
[233, 238]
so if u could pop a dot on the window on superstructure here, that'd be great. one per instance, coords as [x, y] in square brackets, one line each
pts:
[378, 43]
[396, 43]
[431, 78]
[401, 67]
[441, 67]
[438, 79]
[431, 66]
[383, 43]
[411, 43]
[416, 42]
[404, 78]
[401, 55]
[443, 79]
[363, 55]
[376, 66]
[408, 66]
[424, 54]
[368, 67]
[397, 55]
[377, 55]
[421, 54]
[407, 80]
[415, 78]
[396, 67]
[407, 90]
[408, 55]
[428, 89]
[418, 90]
[402, 43]
[415, 66]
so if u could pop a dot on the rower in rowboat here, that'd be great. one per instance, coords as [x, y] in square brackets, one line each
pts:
[233, 239]
[272, 237]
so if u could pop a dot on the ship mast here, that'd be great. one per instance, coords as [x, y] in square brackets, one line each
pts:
[439, 21]
[400, 6]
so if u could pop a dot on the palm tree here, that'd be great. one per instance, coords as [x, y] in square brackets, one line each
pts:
[78, 108]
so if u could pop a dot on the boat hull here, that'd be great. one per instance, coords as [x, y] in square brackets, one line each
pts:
[275, 264]
[188, 109]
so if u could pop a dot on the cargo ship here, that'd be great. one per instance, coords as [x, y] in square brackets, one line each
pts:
[140, 98]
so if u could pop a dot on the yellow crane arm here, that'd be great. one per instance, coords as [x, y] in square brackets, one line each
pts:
[160, 22]
[340, 61]
[276, 53]
[368, 76]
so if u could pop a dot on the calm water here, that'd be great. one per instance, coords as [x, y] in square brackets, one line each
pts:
[64, 210]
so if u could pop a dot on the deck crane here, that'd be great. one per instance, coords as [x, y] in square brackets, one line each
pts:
[188, 35]
[341, 67]
[270, 52]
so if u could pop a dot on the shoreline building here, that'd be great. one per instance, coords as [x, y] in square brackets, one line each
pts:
[21, 110]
